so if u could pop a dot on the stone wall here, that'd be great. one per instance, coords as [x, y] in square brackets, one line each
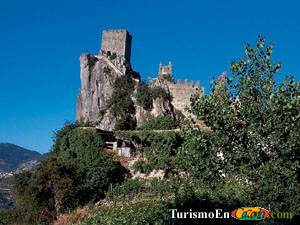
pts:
[182, 92]
[117, 41]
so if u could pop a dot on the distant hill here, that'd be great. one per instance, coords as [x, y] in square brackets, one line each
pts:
[13, 157]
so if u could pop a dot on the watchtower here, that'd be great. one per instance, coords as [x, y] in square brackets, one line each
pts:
[164, 70]
[116, 42]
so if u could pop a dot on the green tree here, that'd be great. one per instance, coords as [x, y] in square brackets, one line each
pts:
[77, 171]
[254, 133]
[159, 148]
[143, 96]
[122, 106]
[85, 148]
[26, 209]
[121, 101]
[159, 92]
[160, 122]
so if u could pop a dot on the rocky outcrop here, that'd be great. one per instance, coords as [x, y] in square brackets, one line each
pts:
[98, 74]
[97, 77]
[161, 106]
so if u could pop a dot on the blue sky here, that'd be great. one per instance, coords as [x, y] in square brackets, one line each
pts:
[41, 42]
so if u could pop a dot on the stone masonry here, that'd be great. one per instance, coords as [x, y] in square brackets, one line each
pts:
[118, 42]
[182, 92]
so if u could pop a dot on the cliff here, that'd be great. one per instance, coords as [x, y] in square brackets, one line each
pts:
[98, 74]
[97, 77]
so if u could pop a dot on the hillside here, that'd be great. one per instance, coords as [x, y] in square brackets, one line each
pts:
[13, 157]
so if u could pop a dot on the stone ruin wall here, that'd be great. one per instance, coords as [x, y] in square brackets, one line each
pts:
[182, 92]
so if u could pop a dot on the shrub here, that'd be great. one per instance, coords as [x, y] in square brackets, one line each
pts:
[128, 189]
[75, 172]
[121, 102]
[122, 106]
[160, 123]
[159, 148]
[107, 70]
[158, 92]
[179, 116]
[138, 166]
[135, 214]
[125, 123]
[91, 61]
[102, 112]
[143, 96]
[113, 56]
[168, 77]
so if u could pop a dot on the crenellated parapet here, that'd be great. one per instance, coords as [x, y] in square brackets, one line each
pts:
[185, 84]
[181, 93]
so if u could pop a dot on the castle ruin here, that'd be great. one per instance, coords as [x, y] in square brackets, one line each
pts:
[98, 73]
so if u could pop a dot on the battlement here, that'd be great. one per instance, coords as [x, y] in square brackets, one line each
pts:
[185, 84]
[182, 92]
[116, 41]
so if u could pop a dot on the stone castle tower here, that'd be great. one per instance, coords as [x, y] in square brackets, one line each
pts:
[116, 42]
[164, 70]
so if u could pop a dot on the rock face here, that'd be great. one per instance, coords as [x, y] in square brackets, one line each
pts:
[97, 76]
[160, 106]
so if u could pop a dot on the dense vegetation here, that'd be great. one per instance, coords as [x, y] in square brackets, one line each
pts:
[122, 106]
[255, 132]
[144, 96]
[159, 92]
[135, 214]
[91, 61]
[160, 123]
[77, 171]
[249, 156]
[159, 148]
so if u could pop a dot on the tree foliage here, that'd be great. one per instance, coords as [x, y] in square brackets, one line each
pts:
[77, 171]
[161, 122]
[159, 148]
[122, 106]
[159, 92]
[143, 96]
[135, 214]
[254, 132]
[168, 77]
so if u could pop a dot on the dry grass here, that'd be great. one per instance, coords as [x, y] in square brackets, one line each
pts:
[72, 218]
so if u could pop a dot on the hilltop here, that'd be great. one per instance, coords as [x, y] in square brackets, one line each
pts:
[13, 157]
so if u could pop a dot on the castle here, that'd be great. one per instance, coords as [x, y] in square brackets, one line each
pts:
[98, 73]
